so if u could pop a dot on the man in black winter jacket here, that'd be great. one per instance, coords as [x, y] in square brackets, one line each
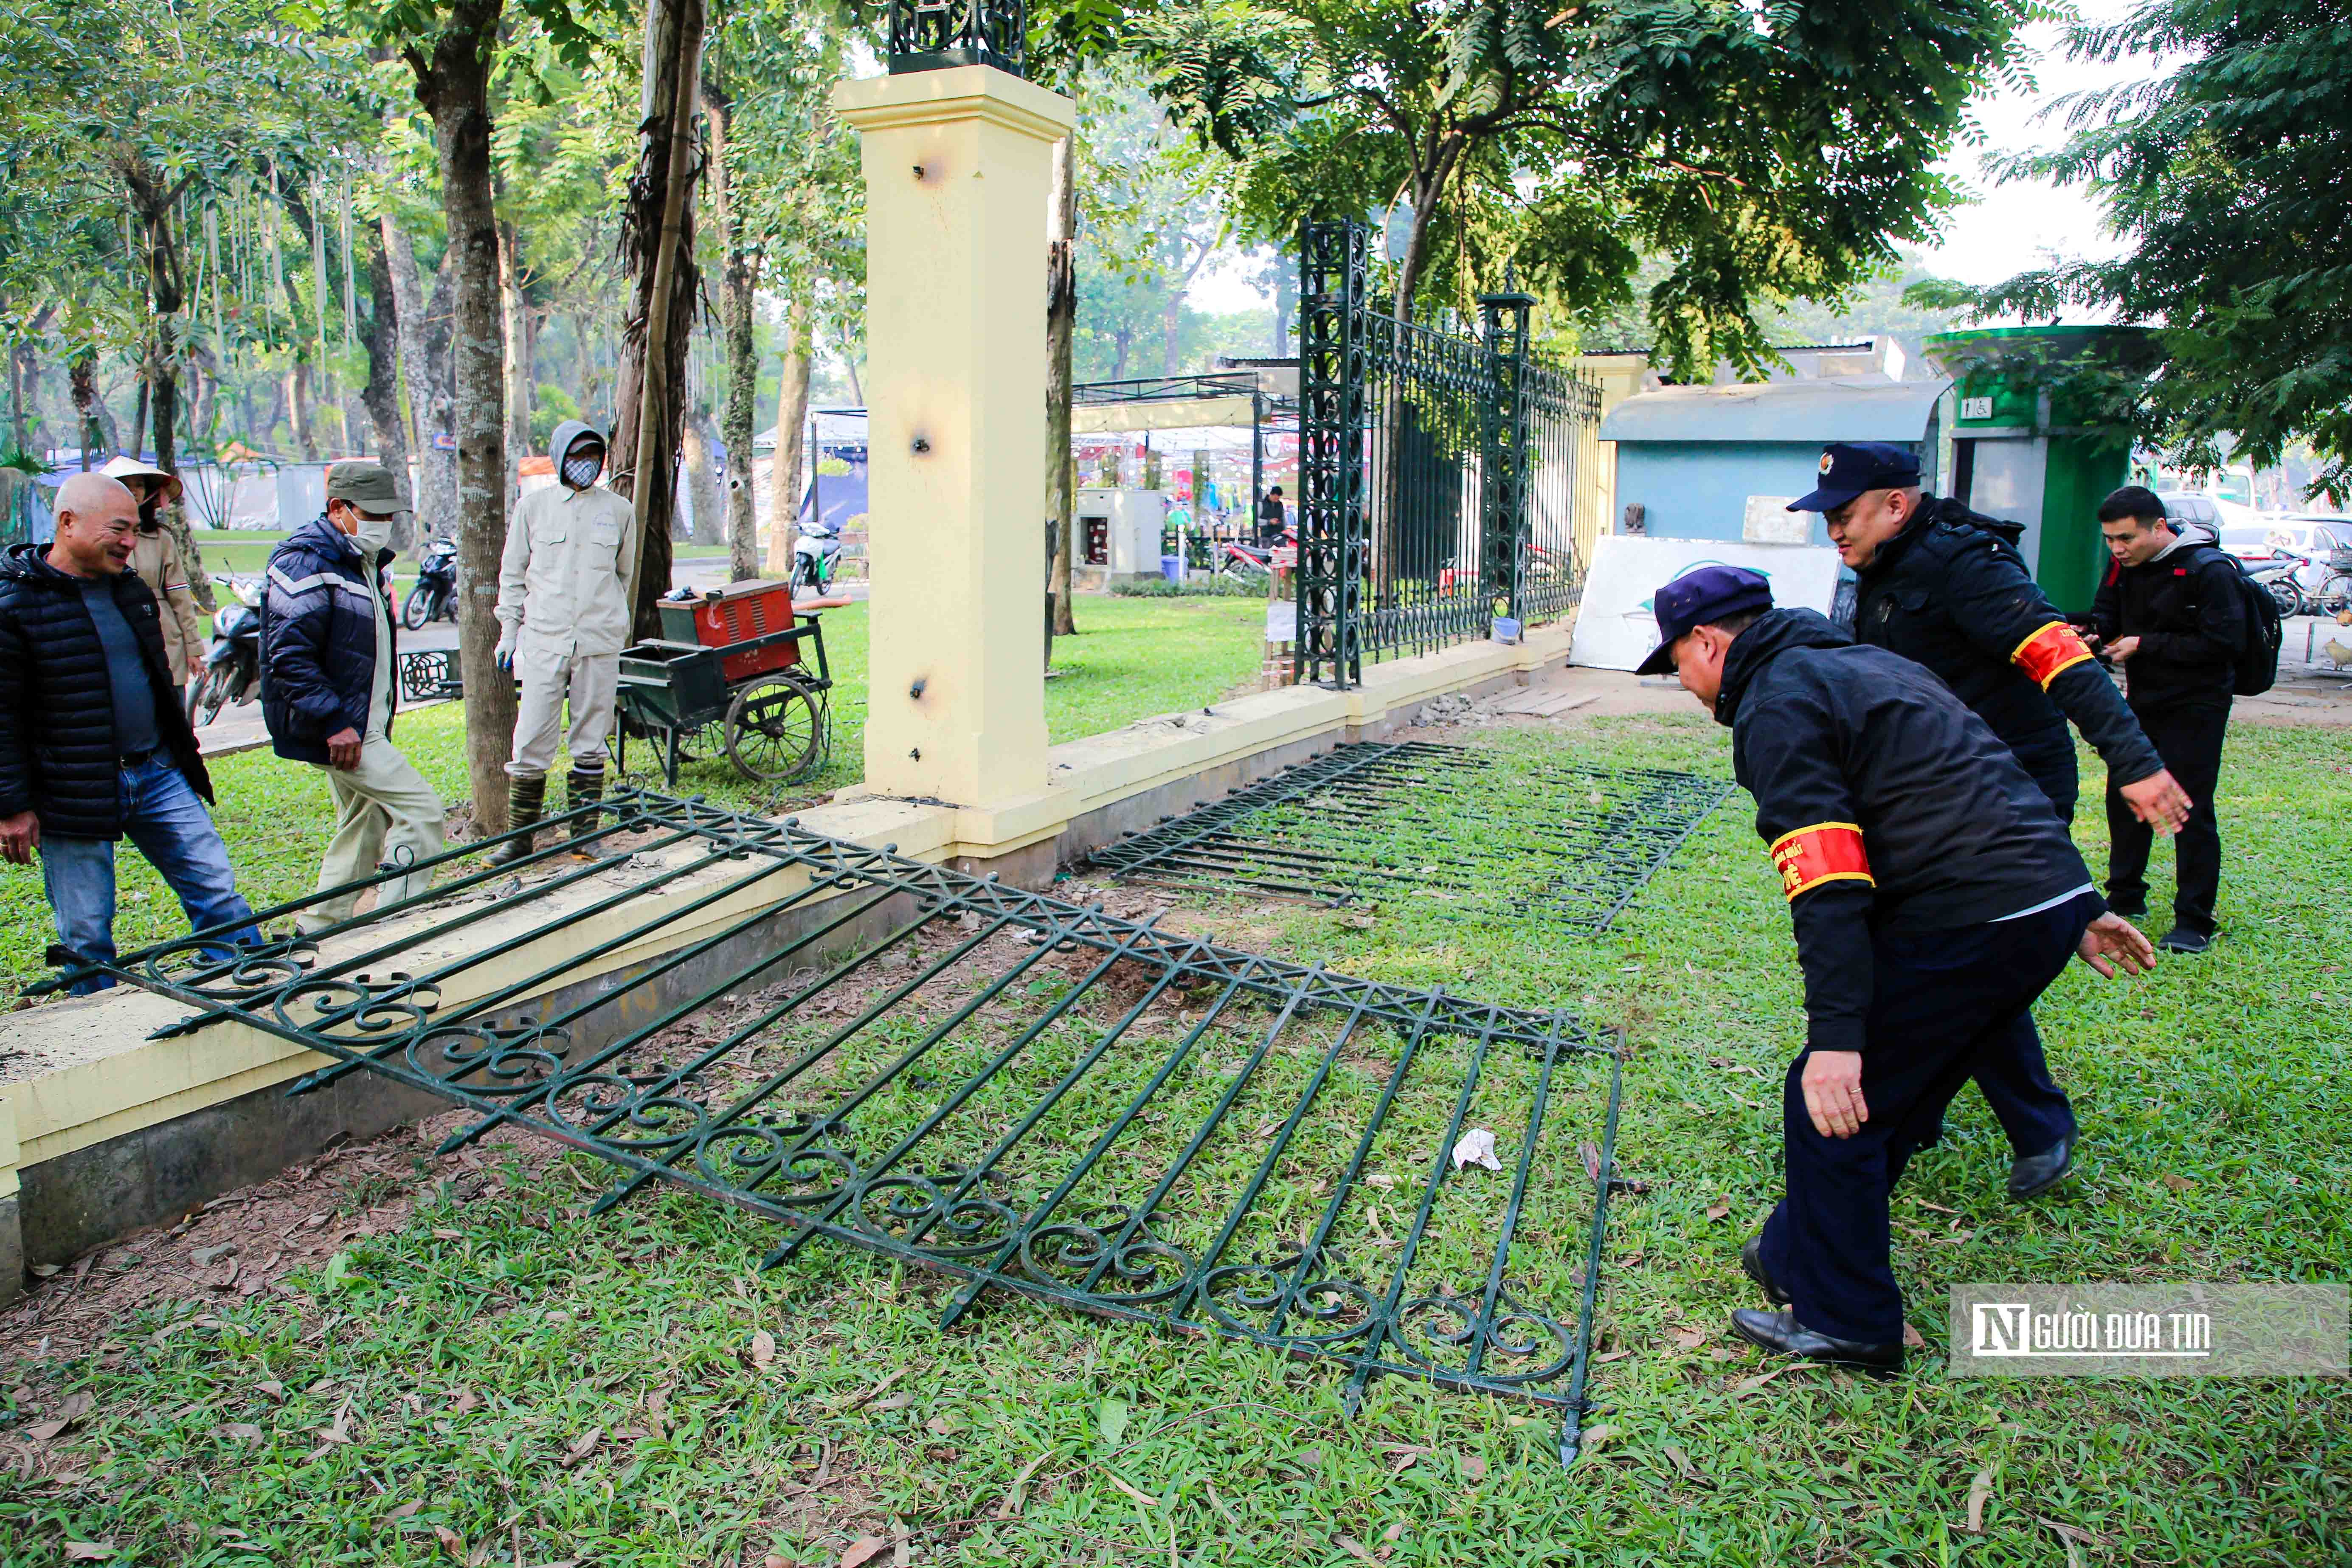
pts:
[1934, 895]
[2170, 612]
[1946, 586]
[93, 746]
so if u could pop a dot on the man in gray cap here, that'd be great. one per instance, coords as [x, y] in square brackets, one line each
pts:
[328, 653]
[563, 614]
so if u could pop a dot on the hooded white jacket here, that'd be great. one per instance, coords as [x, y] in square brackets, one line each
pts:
[564, 576]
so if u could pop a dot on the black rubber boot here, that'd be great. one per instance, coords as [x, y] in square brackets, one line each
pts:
[583, 786]
[526, 803]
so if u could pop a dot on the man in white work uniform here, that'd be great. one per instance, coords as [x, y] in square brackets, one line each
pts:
[563, 618]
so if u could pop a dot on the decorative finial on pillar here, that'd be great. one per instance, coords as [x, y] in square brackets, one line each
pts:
[932, 35]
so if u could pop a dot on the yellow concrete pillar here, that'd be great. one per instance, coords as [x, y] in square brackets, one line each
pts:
[956, 167]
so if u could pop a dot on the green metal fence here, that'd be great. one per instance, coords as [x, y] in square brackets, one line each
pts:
[1437, 471]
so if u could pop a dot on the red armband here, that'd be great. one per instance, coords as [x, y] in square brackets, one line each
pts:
[1825, 852]
[2056, 648]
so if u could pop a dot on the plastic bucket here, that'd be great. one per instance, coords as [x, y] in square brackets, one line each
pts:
[1172, 568]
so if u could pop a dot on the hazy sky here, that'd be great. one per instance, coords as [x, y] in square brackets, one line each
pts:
[2007, 230]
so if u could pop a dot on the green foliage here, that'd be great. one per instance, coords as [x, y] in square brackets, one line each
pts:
[2227, 179]
[1773, 154]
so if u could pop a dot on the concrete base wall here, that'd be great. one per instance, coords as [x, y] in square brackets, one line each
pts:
[12, 1253]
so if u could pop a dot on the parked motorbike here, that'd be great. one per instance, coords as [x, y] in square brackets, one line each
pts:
[232, 667]
[1251, 562]
[435, 596]
[2278, 578]
[816, 554]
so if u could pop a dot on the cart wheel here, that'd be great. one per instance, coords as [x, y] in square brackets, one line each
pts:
[774, 729]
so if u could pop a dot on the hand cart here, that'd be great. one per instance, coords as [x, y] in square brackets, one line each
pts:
[732, 674]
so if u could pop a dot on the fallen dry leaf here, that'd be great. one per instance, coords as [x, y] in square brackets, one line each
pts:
[1394, 1533]
[584, 1446]
[1012, 1503]
[274, 1389]
[1474, 1468]
[1912, 1339]
[1476, 1147]
[464, 1402]
[1720, 1209]
[1147, 1501]
[764, 1348]
[894, 1402]
[1682, 1461]
[1354, 1548]
[446, 1234]
[1613, 1355]
[407, 1509]
[1690, 1337]
[877, 1389]
[1402, 1456]
[454, 1542]
[2178, 1183]
[1594, 1437]
[89, 1550]
[243, 1431]
[863, 1549]
[1758, 1381]
[1980, 1493]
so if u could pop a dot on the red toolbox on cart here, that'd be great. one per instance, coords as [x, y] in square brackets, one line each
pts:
[739, 612]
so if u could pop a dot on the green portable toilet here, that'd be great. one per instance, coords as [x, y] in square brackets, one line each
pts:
[2031, 442]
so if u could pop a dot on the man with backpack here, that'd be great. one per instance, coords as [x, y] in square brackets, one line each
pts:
[2172, 614]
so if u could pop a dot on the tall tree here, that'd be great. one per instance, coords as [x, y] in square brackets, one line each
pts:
[1773, 152]
[2226, 178]
[658, 249]
[381, 394]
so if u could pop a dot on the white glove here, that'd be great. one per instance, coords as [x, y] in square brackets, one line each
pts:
[505, 653]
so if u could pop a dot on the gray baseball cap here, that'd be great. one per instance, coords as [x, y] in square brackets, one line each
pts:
[367, 486]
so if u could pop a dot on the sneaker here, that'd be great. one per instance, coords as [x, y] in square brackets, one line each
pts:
[2180, 939]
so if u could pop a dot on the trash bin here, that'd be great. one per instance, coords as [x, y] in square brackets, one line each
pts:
[1172, 568]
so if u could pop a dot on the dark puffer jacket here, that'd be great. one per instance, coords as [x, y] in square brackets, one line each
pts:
[1952, 593]
[318, 641]
[56, 705]
[1887, 805]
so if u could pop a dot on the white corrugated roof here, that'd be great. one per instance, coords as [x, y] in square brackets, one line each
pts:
[1848, 408]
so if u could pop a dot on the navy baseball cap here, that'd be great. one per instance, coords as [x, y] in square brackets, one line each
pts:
[1850, 468]
[1699, 595]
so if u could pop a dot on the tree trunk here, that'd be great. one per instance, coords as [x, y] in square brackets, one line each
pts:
[515, 326]
[454, 85]
[792, 421]
[432, 398]
[98, 427]
[150, 205]
[849, 363]
[657, 250]
[702, 478]
[738, 278]
[1061, 321]
[298, 410]
[381, 395]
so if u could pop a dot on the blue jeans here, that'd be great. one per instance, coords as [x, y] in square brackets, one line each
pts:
[161, 815]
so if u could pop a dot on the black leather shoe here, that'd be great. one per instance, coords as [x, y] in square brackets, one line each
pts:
[2180, 939]
[1751, 1258]
[1780, 1332]
[2039, 1173]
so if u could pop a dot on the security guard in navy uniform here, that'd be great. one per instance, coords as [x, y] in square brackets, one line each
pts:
[1946, 587]
[1934, 894]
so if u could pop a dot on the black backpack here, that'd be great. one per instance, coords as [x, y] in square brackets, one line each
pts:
[2257, 665]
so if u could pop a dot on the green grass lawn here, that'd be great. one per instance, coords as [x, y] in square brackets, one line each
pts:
[1137, 658]
[491, 1374]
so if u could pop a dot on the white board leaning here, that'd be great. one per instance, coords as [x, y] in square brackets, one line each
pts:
[1615, 624]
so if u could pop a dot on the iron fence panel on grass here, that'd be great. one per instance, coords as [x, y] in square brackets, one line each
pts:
[1027, 1094]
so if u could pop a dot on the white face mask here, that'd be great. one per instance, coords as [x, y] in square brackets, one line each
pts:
[374, 533]
[581, 465]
